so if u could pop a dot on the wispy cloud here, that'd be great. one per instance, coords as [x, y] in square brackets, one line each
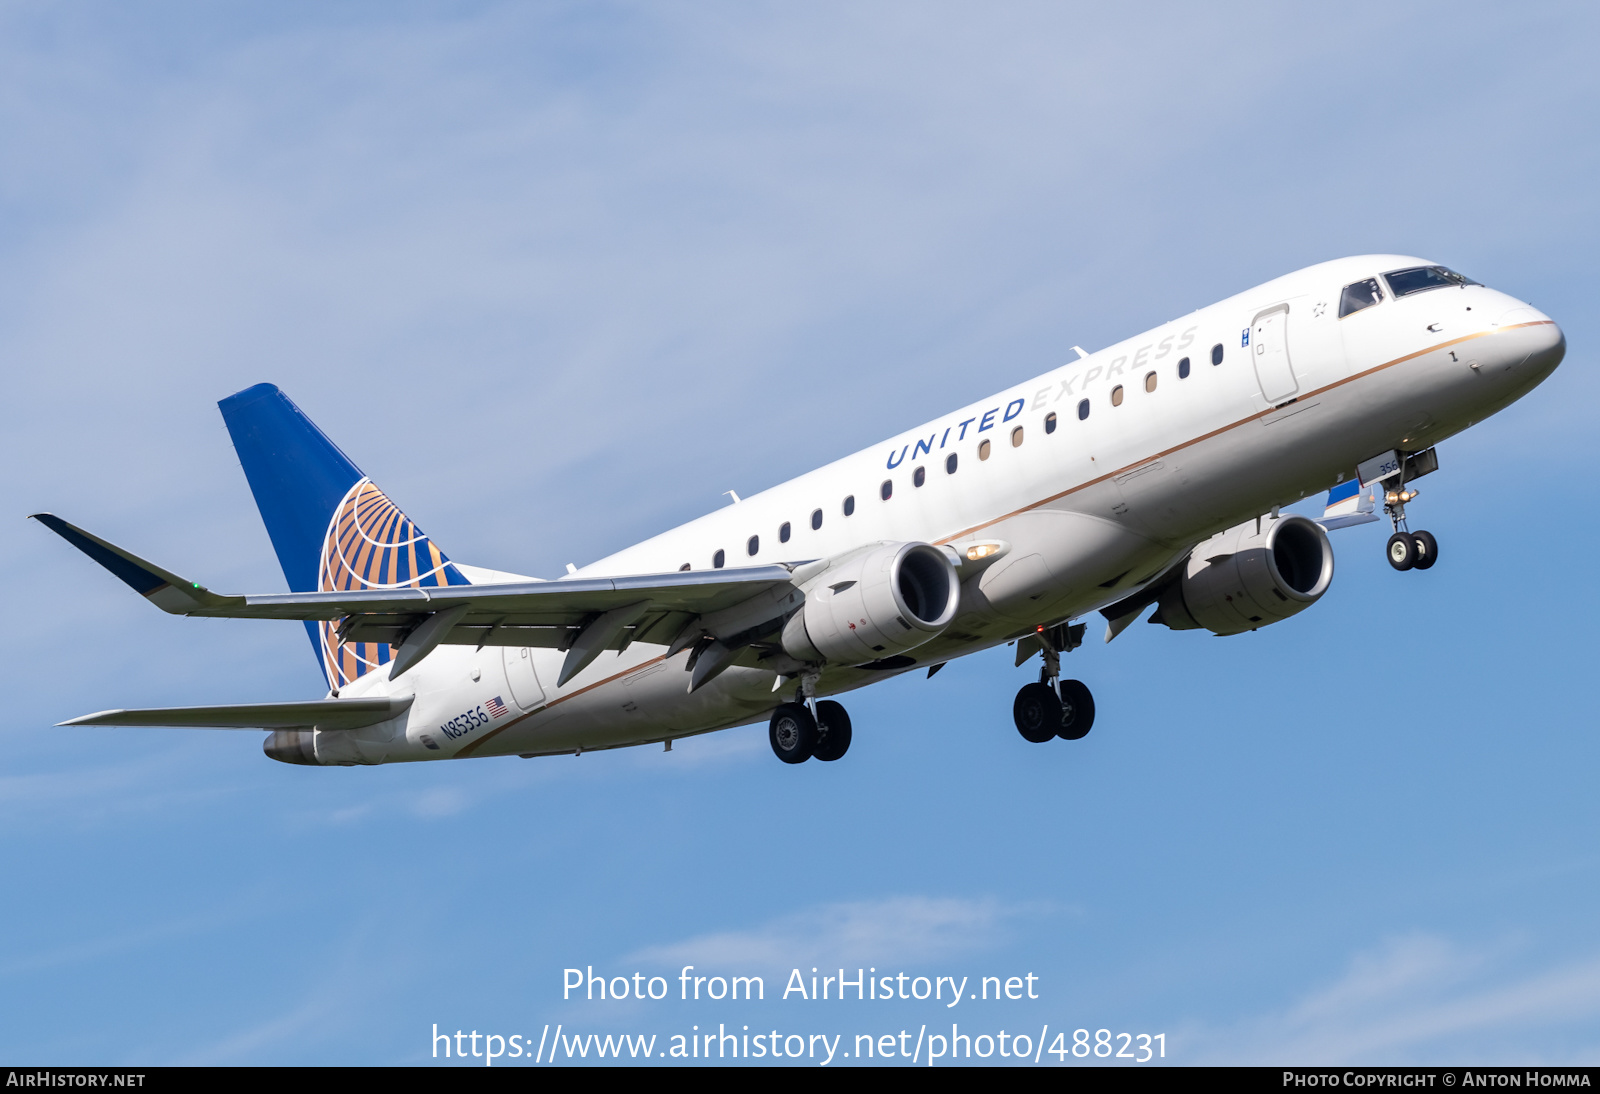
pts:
[894, 929]
[1422, 998]
[89, 951]
[322, 1011]
[89, 797]
[364, 964]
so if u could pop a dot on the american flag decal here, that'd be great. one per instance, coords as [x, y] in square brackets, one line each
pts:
[497, 709]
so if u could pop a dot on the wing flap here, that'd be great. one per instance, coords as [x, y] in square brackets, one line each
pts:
[529, 604]
[321, 713]
[658, 627]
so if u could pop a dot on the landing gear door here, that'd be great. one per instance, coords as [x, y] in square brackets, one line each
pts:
[1269, 350]
[521, 678]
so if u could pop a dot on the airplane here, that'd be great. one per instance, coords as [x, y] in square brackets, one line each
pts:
[1153, 472]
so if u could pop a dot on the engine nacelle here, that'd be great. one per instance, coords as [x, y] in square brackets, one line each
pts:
[292, 746]
[1250, 576]
[879, 602]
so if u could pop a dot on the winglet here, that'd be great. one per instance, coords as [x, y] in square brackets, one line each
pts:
[1348, 504]
[164, 589]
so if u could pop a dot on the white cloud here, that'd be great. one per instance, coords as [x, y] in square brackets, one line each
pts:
[441, 801]
[878, 932]
[265, 1040]
[89, 951]
[92, 796]
[1423, 999]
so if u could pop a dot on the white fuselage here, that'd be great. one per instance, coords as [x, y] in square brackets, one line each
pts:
[1084, 509]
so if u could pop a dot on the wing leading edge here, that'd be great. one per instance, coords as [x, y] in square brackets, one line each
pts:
[549, 614]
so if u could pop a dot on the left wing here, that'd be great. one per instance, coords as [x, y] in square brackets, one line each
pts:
[583, 616]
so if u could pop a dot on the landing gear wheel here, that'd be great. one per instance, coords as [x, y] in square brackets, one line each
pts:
[793, 733]
[1402, 551]
[833, 731]
[1427, 549]
[1037, 713]
[1077, 711]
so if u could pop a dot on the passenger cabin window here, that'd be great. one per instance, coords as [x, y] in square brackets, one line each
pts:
[783, 532]
[1216, 354]
[1149, 381]
[718, 559]
[1083, 409]
[950, 464]
[753, 545]
[816, 519]
[849, 505]
[886, 491]
[919, 476]
[1363, 294]
[1050, 422]
[1116, 395]
[1183, 369]
[1417, 279]
[1016, 437]
[983, 450]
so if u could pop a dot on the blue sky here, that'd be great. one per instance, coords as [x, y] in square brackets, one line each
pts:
[556, 276]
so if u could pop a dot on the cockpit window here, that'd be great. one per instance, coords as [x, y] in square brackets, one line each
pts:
[1422, 278]
[1363, 294]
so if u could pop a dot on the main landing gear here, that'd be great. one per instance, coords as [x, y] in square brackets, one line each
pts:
[809, 728]
[1407, 550]
[1053, 707]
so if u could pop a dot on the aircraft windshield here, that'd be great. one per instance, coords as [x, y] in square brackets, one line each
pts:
[1422, 278]
[1363, 294]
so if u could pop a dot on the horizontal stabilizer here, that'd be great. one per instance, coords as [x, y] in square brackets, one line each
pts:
[320, 713]
[164, 589]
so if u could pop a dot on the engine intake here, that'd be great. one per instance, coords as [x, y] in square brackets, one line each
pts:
[882, 601]
[1246, 578]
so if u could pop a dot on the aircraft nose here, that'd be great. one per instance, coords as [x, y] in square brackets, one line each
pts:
[1539, 335]
[1554, 349]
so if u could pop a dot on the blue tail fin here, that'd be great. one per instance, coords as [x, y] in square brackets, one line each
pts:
[332, 528]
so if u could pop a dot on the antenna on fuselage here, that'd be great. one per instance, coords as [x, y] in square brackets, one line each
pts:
[732, 495]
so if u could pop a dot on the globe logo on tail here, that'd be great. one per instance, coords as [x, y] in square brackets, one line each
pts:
[371, 544]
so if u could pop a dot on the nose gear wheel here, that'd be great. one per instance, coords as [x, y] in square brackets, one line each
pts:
[1427, 549]
[1402, 551]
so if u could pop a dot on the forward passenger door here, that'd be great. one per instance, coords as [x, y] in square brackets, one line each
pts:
[1269, 352]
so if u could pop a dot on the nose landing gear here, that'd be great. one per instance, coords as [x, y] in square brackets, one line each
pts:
[1053, 707]
[1427, 549]
[1412, 550]
[1407, 550]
